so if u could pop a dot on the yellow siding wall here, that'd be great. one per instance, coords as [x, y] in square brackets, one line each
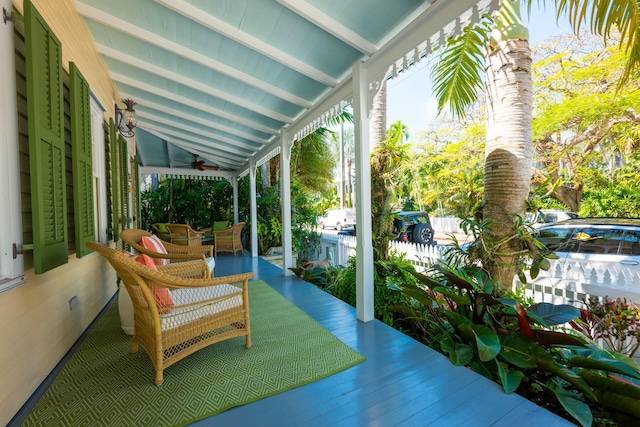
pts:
[37, 327]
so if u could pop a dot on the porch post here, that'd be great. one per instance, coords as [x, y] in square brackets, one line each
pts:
[10, 214]
[254, 207]
[234, 185]
[364, 241]
[285, 198]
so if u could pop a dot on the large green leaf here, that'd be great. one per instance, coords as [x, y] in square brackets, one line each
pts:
[518, 350]
[457, 319]
[459, 299]
[417, 293]
[510, 378]
[459, 354]
[424, 279]
[552, 314]
[604, 364]
[574, 406]
[486, 339]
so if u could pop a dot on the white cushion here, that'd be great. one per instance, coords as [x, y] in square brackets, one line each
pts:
[180, 315]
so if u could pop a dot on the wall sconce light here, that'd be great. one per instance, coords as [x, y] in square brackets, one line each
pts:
[126, 119]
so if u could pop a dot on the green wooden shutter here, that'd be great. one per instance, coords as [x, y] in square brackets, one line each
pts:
[124, 182]
[82, 161]
[46, 142]
[113, 142]
[136, 193]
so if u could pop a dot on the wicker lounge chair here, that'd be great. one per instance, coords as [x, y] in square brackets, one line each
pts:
[175, 253]
[198, 312]
[229, 240]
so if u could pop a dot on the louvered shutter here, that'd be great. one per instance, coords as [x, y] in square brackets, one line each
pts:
[46, 142]
[115, 209]
[82, 161]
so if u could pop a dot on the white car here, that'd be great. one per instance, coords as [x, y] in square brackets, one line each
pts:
[595, 241]
[338, 219]
[548, 216]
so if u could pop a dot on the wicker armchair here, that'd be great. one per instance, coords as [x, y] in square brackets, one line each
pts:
[217, 226]
[183, 234]
[229, 240]
[176, 253]
[202, 311]
[160, 228]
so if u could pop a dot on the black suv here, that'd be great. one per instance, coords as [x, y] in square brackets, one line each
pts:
[413, 227]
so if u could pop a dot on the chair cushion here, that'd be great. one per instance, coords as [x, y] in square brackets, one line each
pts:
[220, 225]
[162, 226]
[225, 297]
[154, 244]
[161, 295]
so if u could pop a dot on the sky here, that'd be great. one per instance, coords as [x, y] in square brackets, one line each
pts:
[409, 96]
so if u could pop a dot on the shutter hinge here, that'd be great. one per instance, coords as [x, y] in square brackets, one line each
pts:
[7, 16]
[21, 251]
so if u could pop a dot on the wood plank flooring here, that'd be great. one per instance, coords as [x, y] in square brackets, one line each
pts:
[402, 382]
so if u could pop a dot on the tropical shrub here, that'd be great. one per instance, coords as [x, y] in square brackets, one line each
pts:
[463, 314]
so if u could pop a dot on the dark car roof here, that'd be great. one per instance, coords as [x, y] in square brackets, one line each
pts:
[581, 222]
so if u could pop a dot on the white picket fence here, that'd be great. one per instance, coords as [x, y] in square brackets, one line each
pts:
[565, 282]
[568, 281]
[338, 249]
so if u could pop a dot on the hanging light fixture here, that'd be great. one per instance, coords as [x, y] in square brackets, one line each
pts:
[126, 119]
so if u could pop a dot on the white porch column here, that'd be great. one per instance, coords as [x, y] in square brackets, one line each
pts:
[234, 185]
[254, 207]
[10, 214]
[364, 242]
[285, 201]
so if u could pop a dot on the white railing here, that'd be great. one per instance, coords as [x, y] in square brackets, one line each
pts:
[338, 249]
[564, 282]
[568, 281]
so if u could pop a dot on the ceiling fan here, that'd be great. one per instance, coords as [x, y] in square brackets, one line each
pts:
[200, 164]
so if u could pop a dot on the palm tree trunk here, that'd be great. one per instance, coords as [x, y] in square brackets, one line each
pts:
[378, 123]
[508, 155]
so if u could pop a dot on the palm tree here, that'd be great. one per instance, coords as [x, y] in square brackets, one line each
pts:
[502, 44]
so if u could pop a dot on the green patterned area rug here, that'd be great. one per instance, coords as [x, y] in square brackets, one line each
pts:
[103, 384]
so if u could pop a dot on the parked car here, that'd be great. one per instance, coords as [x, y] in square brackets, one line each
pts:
[604, 241]
[409, 226]
[413, 227]
[548, 216]
[338, 219]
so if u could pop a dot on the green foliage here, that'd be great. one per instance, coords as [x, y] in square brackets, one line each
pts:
[195, 202]
[389, 274]
[464, 316]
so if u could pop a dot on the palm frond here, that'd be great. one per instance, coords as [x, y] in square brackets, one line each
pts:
[605, 16]
[458, 70]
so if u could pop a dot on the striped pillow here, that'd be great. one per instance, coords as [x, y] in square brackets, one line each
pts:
[154, 244]
[161, 295]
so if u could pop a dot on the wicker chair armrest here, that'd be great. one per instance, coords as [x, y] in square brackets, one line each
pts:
[194, 269]
[172, 248]
[175, 257]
